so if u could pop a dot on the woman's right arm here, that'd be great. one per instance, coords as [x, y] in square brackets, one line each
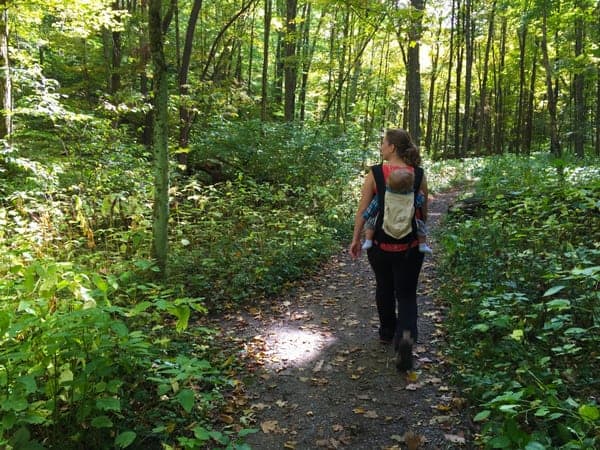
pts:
[366, 195]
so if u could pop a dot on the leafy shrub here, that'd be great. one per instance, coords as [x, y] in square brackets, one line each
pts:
[522, 279]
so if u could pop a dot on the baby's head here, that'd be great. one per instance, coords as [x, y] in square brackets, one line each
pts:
[401, 180]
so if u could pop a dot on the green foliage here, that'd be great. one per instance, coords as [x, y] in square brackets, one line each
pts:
[523, 272]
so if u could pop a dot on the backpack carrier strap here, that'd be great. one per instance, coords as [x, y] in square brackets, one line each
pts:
[382, 239]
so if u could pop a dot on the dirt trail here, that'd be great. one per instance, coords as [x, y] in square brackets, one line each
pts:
[322, 378]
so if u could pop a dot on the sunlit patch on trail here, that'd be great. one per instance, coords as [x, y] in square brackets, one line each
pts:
[295, 347]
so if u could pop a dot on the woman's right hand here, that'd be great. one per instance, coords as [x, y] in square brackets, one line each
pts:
[355, 249]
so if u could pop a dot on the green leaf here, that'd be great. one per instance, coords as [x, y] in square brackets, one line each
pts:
[482, 415]
[102, 422]
[558, 304]
[201, 433]
[535, 445]
[553, 290]
[541, 412]
[125, 439]
[499, 442]
[108, 404]
[186, 399]
[247, 431]
[481, 327]
[589, 412]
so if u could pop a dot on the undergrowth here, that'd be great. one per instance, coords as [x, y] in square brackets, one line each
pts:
[521, 273]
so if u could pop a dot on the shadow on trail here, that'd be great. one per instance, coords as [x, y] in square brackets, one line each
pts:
[321, 379]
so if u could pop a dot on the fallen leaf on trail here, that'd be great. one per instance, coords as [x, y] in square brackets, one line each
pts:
[291, 445]
[310, 413]
[397, 438]
[359, 410]
[363, 397]
[439, 419]
[413, 386]
[270, 426]
[442, 407]
[371, 415]
[318, 366]
[281, 403]
[412, 376]
[412, 440]
[455, 438]
[259, 406]
[459, 402]
[337, 428]
[319, 381]
[355, 376]
[226, 419]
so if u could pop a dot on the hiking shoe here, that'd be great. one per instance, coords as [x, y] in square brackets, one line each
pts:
[404, 356]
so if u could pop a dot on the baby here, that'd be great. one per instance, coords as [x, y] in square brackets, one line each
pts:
[399, 182]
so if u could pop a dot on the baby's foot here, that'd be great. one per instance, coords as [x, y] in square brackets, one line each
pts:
[424, 248]
[367, 244]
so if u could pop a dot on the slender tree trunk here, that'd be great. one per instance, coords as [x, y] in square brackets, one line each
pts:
[483, 102]
[580, 126]
[291, 63]
[116, 56]
[431, 100]
[342, 65]
[469, 38]
[265, 66]
[500, 116]
[185, 112]
[449, 77]
[144, 55]
[459, 65]
[279, 70]
[307, 58]
[413, 71]
[5, 76]
[528, 125]
[160, 144]
[520, 122]
[552, 95]
[251, 52]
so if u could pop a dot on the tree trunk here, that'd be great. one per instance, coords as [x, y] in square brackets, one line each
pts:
[449, 77]
[528, 125]
[500, 113]
[550, 91]
[291, 63]
[116, 57]
[265, 66]
[144, 58]
[342, 64]
[469, 38]
[459, 64]
[160, 142]
[431, 100]
[307, 58]
[520, 122]
[185, 113]
[413, 71]
[580, 126]
[5, 76]
[483, 135]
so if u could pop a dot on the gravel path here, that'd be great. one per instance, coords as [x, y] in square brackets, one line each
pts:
[322, 380]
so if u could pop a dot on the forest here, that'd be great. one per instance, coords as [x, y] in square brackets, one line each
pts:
[162, 162]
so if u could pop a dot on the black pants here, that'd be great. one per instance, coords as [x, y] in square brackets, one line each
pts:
[397, 276]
